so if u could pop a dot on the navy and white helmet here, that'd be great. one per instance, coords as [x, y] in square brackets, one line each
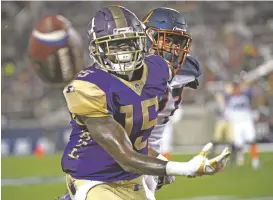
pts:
[117, 40]
[167, 35]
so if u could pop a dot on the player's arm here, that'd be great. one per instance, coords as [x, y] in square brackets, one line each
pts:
[254, 99]
[88, 103]
[110, 135]
[220, 99]
[191, 68]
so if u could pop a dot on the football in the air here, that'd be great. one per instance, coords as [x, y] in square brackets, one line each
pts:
[55, 50]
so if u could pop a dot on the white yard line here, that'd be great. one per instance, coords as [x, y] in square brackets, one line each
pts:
[207, 198]
[224, 198]
[31, 180]
[61, 179]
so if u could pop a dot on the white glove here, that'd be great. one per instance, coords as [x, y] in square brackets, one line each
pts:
[200, 164]
[207, 166]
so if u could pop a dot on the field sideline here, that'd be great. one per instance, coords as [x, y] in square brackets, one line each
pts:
[234, 183]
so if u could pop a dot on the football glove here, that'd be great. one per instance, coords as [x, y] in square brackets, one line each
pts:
[207, 166]
[194, 84]
[163, 180]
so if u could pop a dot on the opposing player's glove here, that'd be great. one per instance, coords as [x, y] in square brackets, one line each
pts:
[163, 180]
[200, 164]
[194, 84]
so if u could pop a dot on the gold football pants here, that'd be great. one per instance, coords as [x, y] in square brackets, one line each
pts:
[223, 132]
[119, 190]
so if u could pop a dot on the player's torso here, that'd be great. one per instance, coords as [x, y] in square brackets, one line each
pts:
[238, 107]
[168, 104]
[135, 106]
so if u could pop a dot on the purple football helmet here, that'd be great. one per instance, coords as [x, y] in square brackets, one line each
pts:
[117, 40]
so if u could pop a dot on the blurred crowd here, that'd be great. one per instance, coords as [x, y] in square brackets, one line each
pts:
[228, 38]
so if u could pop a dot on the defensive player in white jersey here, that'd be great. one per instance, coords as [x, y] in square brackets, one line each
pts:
[239, 113]
[167, 36]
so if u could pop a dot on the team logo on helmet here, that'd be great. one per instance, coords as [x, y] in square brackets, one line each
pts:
[178, 29]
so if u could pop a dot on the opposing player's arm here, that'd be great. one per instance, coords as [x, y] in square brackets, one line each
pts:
[220, 99]
[254, 100]
[188, 74]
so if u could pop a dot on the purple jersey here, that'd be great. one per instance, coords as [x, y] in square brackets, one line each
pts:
[96, 93]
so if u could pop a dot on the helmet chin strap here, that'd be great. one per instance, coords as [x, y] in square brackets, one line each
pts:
[129, 75]
[124, 75]
[126, 67]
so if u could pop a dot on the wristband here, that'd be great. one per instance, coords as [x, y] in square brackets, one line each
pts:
[178, 169]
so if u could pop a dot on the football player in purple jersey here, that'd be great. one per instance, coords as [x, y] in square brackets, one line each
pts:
[114, 106]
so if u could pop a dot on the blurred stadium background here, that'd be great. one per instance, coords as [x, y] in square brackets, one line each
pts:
[229, 38]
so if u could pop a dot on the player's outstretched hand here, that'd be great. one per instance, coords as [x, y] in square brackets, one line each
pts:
[205, 166]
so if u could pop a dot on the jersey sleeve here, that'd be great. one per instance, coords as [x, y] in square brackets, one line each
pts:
[180, 80]
[191, 67]
[86, 99]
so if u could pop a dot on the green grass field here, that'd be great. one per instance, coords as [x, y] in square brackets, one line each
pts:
[239, 182]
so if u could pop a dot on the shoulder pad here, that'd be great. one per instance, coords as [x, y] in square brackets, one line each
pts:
[86, 98]
[160, 64]
[191, 67]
